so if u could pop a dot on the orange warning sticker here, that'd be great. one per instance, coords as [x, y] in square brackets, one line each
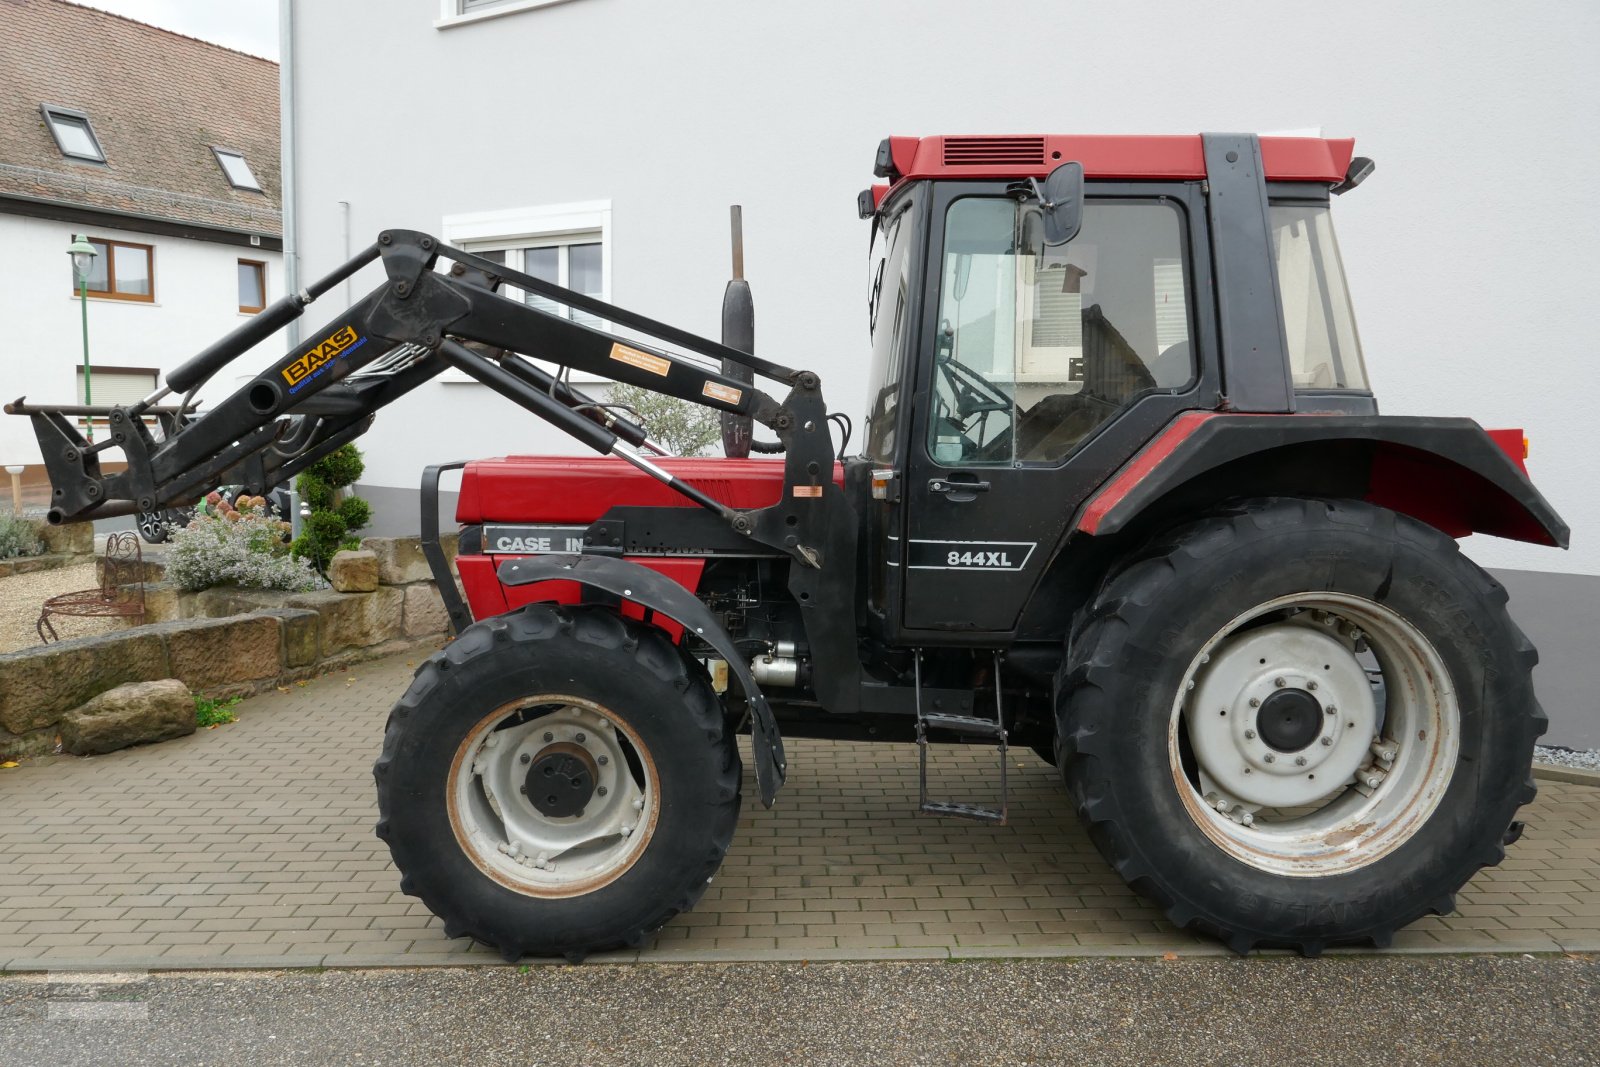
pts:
[808, 490]
[725, 393]
[643, 360]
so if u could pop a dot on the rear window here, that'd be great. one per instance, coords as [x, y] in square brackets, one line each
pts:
[1324, 351]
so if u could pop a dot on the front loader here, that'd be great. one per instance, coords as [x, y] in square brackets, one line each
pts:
[1122, 496]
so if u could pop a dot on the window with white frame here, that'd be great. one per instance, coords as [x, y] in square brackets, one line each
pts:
[456, 12]
[566, 244]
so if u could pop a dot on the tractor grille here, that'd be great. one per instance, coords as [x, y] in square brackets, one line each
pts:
[993, 151]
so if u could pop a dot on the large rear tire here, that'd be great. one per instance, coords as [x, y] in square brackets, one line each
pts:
[557, 781]
[1221, 671]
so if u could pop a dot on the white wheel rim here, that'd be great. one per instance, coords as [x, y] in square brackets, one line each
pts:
[528, 746]
[1281, 783]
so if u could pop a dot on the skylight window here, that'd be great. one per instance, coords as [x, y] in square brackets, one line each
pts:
[236, 169]
[73, 134]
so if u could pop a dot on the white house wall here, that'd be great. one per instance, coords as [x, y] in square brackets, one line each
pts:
[1469, 258]
[196, 301]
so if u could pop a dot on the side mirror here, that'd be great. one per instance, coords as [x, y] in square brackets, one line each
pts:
[1061, 201]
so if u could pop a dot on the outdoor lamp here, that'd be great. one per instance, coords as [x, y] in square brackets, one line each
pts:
[82, 253]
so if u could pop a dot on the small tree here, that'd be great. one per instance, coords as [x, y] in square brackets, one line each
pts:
[684, 428]
[323, 487]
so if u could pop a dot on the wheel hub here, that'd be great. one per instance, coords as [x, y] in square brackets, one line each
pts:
[561, 780]
[1289, 720]
[1281, 715]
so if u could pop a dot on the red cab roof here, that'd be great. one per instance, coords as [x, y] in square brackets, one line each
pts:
[1289, 159]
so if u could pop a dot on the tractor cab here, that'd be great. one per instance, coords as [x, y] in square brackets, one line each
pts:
[1014, 369]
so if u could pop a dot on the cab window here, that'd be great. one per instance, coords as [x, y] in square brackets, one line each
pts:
[888, 317]
[1035, 346]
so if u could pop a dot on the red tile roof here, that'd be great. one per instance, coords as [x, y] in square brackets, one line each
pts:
[157, 100]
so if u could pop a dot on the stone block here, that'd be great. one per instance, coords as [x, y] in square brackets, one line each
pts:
[129, 715]
[299, 635]
[354, 572]
[35, 564]
[207, 653]
[400, 559]
[424, 610]
[73, 538]
[166, 602]
[39, 685]
[33, 743]
[223, 601]
[354, 620]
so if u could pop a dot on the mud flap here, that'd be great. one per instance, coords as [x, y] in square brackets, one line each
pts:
[661, 594]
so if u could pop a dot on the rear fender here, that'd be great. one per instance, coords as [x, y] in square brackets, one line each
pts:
[661, 594]
[1449, 473]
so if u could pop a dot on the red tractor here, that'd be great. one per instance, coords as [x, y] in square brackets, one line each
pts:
[1122, 495]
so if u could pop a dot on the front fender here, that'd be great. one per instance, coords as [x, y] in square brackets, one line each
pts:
[661, 594]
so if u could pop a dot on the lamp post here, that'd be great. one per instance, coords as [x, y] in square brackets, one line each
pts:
[83, 253]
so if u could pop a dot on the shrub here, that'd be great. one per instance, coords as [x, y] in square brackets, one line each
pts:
[321, 535]
[684, 428]
[242, 548]
[355, 512]
[326, 529]
[19, 537]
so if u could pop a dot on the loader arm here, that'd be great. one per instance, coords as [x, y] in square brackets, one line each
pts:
[418, 322]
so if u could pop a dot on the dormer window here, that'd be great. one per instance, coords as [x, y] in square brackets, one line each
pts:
[236, 169]
[73, 133]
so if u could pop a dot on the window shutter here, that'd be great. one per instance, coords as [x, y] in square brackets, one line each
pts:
[113, 386]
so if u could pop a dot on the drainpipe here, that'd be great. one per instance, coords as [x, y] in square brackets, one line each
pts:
[344, 217]
[291, 245]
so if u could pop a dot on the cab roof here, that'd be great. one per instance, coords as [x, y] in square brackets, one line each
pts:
[1114, 157]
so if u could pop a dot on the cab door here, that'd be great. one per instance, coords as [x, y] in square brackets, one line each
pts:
[1042, 371]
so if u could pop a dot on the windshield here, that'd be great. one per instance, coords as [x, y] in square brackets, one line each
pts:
[889, 288]
[1038, 346]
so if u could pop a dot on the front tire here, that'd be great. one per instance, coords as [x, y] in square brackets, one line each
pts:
[558, 781]
[1221, 670]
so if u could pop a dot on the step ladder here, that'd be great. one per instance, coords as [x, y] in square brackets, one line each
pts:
[967, 726]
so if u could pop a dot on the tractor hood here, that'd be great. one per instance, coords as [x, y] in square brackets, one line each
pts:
[581, 489]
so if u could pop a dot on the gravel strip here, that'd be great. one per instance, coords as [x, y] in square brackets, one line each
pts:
[1587, 759]
[21, 596]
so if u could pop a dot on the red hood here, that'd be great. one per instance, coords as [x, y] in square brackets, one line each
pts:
[580, 489]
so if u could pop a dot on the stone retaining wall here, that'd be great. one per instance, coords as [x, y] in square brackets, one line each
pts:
[221, 642]
[65, 546]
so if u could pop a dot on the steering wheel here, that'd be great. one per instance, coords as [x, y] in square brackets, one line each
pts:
[972, 392]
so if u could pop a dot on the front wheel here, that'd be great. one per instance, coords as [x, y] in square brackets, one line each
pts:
[1299, 723]
[558, 781]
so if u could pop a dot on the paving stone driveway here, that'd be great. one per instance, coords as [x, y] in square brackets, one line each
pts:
[252, 845]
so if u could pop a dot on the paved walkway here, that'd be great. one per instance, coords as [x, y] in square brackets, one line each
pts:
[252, 845]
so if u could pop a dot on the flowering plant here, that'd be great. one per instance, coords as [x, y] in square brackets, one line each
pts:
[242, 546]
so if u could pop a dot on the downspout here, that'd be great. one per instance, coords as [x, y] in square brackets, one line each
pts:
[291, 244]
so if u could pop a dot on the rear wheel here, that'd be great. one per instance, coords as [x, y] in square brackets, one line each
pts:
[558, 781]
[1300, 723]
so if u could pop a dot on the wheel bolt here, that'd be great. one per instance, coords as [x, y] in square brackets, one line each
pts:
[522, 789]
[1299, 761]
[548, 736]
[580, 739]
[1279, 682]
[1255, 702]
[601, 791]
[1326, 741]
[526, 759]
[1249, 735]
[1270, 758]
[1331, 710]
[1311, 685]
[602, 760]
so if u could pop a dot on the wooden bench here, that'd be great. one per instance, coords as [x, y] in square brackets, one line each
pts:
[121, 590]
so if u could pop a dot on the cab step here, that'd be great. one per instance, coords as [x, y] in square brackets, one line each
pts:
[966, 726]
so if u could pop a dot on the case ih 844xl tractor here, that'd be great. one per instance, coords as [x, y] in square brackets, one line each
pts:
[1122, 495]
